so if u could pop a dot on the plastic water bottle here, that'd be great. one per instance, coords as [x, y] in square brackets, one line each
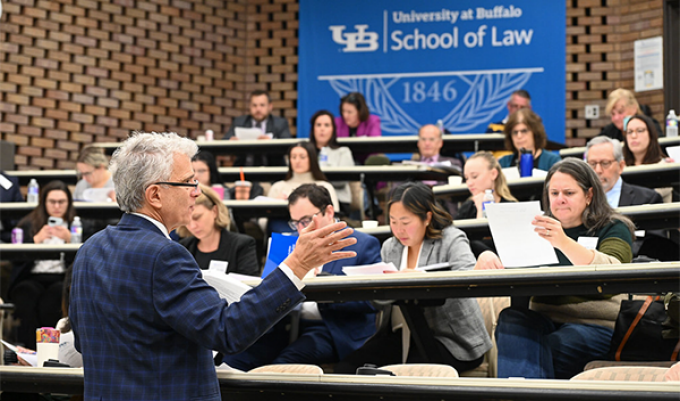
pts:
[488, 198]
[323, 156]
[526, 163]
[671, 124]
[33, 191]
[76, 231]
[440, 125]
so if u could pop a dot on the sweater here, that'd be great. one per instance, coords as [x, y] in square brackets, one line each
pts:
[614, 240]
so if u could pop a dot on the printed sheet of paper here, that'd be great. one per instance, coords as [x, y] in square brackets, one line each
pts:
[517, 243]
[250, 134]
[674, 153]
[375, 268]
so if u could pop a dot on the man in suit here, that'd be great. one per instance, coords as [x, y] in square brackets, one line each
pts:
[328, 332]
[9, 192]
[430, 143]
[605, 156]
[518, 100]
[143, 317]
[260, 117]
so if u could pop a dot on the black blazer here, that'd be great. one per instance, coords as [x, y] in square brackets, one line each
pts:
[632, 195]
[276, 125]
[236, 249]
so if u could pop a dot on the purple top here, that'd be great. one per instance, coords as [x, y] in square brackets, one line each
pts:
[370, 127]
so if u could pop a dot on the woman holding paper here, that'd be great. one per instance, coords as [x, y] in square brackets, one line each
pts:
[213, 246]
[483, 172]
[525, 129]
[558, 335]
[423, 236]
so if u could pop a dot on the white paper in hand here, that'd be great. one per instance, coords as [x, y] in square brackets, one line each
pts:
[229, 288]
[247, 134]
[517, 243]
[364, 270]
[674, 153]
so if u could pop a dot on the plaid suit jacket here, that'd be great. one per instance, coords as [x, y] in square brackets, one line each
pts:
[146, 322]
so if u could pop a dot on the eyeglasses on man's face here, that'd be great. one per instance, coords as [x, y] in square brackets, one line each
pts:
[303, 222]
[193, 184]
[605, 164]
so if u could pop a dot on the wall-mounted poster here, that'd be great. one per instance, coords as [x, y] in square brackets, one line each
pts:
[419, 62]
[649, 64]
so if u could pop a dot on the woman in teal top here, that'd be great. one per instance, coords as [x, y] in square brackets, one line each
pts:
[558, 335]
[524, 129]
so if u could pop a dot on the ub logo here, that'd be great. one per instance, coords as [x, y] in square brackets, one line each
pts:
[359, 41]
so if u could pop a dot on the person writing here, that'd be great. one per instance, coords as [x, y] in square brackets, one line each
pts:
[208, 239]
[143, 317]
[422, 235]
[558, 335]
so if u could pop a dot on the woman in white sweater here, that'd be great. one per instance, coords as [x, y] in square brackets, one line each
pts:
[303, 169]
[323, 134]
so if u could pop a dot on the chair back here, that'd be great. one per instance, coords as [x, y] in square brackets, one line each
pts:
[422, 370]
[624, 373]
[293, 369]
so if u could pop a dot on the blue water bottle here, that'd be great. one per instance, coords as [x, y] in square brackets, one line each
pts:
[526, 162]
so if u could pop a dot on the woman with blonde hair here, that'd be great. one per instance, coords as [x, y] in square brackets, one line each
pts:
[208, 239]
[92, 167]
[483, 172]
[621, 103]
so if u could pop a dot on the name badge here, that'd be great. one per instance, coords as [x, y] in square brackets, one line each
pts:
[218, 266]
[7, 184]
[588, 242]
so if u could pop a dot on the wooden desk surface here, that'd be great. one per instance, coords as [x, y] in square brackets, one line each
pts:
[272, 386]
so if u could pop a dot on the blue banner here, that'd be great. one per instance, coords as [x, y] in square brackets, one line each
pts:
[420, 62]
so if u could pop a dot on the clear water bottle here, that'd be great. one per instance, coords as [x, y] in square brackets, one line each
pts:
[76, 231]
[671, 124]
[440, 125]
[323, 157]
[33, 191]
[488, 198]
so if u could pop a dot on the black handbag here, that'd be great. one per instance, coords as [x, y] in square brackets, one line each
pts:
[638, 333]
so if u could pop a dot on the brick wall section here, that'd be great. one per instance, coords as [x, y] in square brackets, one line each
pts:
[600, 58]
[73, 72]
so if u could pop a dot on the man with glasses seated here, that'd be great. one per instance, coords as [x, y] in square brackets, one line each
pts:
[329, 331]
[605, 157]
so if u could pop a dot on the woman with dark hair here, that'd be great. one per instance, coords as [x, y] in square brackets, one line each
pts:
[36, 286]
[422, 235]
[355, 118]
[205, 170]
[303, 169]
[558, 335]
[208, 239]
[483, 172]
[642, 147]
[524, 129]
[323, 135]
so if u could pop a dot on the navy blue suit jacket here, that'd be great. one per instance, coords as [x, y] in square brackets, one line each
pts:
[146, 322]
[351, 323]
[13, 194]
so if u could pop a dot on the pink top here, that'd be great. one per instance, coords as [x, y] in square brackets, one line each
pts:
[370, 127]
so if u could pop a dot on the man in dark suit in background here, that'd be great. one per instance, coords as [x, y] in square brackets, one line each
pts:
[143, 317]
[260, 117]
[605, 156]
[518, 100]
[9, 192]
[328, 332]
[430, 143]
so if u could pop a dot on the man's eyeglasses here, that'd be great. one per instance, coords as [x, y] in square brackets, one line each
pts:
[193, 184]
[605, 164]
[303, 222]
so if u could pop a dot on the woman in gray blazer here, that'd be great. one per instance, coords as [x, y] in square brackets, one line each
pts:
[454, 334]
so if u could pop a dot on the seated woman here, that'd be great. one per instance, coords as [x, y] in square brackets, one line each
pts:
[621, 103]
[205, 170]
[92, 167]
[524, 129]
[303, 169]
[558, 335]
[35, 287]
[207, 238]
[642, 147]
[483, 172]
[355, 118]
[422, 236]
[323, 134]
